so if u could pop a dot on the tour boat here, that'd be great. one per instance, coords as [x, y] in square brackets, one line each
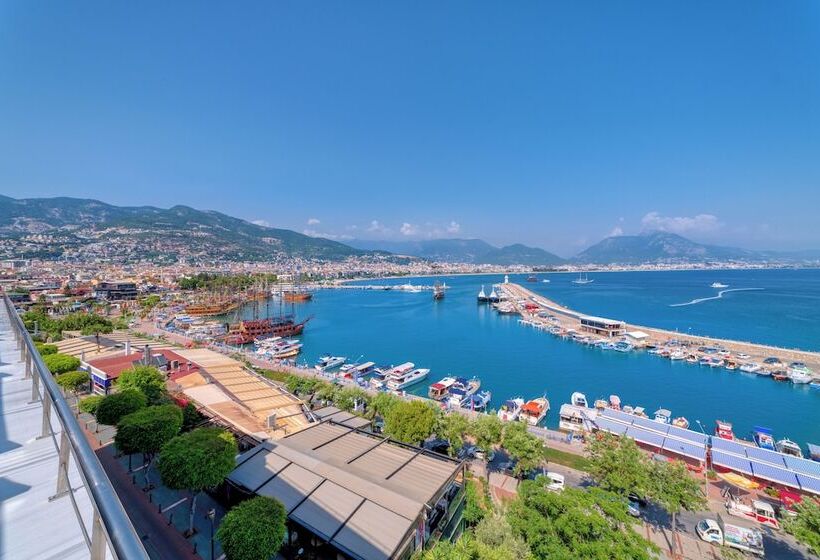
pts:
[461, 389]
[329, 362]
[681, 422]
[582, 279]
[398, 370]
[477, 401]
[510, 409]
[357, 371]
[579, 399]
[719, 285]
[763, 437]
[440, 389]
[399, 382]
[800, 374]
[482, 296]
[534, 411]
[663, 416]
[788, 447]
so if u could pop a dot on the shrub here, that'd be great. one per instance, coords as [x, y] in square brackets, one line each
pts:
[74, 381]
[90, 404]
[146, 379]
[45, 349]
[61, 363]
[254, 529]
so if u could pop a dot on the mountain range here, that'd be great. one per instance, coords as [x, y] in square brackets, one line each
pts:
[83, 228]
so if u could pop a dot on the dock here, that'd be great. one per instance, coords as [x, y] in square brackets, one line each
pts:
[523, 299]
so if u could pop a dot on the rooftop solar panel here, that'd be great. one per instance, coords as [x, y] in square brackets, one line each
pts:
[729, 446]
[803, 466]
[645, 436]
[651, 425]
[610, 426]
[774, 474]
[809, 483]
[685, 448]
[689, 435]
[729, 461]
[618, 415]
[765, 455]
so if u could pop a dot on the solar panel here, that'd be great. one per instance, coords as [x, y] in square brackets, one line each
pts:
[729, 461]
[645, 436]
[809, 483]
[803, 466]
[689, 435]
[729, 446]
[618, 415]
[651, 425]
[685, 448]
[766, 455]
[774, 474]
[610, 426]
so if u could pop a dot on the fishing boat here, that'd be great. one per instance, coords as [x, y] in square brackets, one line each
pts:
[622, 346]
[534, 411]
[750, 367]
[724, 430]
[780, 375]
[477, 402]
[461, 389]
[482, 296]
[328, 362]
[579, 399]
[788, 447]
[681, 422]
[510, 409]
[718, 285]
[441, 389]
[615, 402]
[582, 279]
[763, 437]
[438, 290]
[663, 415]
[800, 374]
[400, 382]
[493, 297]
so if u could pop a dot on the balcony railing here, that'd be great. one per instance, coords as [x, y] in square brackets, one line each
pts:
[111, 530]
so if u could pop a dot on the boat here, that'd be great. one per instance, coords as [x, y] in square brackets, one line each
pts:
[477, 402]
[681, 422]
[398, 370]
[545, 281]
[287, 351]
[399, 382]
[763, 437]
[615, 402]
[510, 409]
[718, 285]
[800, 374]
[327, 362]
[788, 447]
[440, 389]
[297, 296]
[622, 346]
[212, 308]
[438, 290]
[663, 416]
[677, 355]
[750, 367]
[246, 332]
[814, 452]
[600, 404]
[493, 297]
[461, 389]
[357, 371]
[579, 399]
[723, 430]
[532, 278]
[582, 279]
[534, 411]
[482, 296]
[639, 411]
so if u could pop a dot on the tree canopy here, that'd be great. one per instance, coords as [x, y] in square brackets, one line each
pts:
[492, 539]
[617, 464]
[197, 460]
[90, 404]
[74, 381]
[410, 421]
[672, 487]
[487, 430]
[253, 530]
[147, 380]
[148, 429]
[116, 405]
[527, 450]
[453, 427]
[805, 526]
[61, 363]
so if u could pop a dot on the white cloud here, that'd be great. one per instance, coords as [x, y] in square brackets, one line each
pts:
[408, 229]
[702, 223]
[377, 227]
[263, 223]
[617, 231]
[313, 221]
[453, 227]
[326, 235]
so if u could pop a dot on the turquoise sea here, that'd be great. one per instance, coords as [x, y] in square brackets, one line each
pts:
[458, 336]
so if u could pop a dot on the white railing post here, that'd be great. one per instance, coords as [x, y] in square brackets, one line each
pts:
[46, 431]
[62, 472]
[98, 543]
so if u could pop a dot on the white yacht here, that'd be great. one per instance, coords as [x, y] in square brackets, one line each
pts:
[579, 399]
[329, 362]
[399, 382]
[800, 374]
[788, 447]
[719, 285]
[510, 409]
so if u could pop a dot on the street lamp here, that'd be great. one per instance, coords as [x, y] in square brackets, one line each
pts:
[212, 515]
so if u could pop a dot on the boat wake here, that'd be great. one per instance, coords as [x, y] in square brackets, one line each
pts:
[718, 296]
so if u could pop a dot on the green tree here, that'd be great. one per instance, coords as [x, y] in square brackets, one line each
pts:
[493, 539]
[45, 349]
[61, 363]
[74, 381]
[381, 403]
[253, 530]
[410, 421]
[453, 427]
[527, 450]
[591, 524]
[90, 404]
[487, 430]
[116, 405]
[197, 460]
[350, 398]
[147, 430]
[147, 380]
[190, 417]
[326, 392]
[617, 464]
[805, 526]
[675, 489]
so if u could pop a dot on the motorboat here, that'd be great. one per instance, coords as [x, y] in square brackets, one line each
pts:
[677, 355]
[663, 415]
[639, 412]
[622, 346]
[461, 389]
[493, 297]
[615, 402]
[718, 285]
[357, 371]
[579, 399]
[398, 370]
[800, 374]
[681, 422]
[763, 437]
[788, 447]
[440, 389]
[750, 367]
[477, 401]
[399, 382]
[510, 409]
[328, 362]
[288, 351]
[534, 411]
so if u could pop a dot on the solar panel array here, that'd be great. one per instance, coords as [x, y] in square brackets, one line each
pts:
[766, 464]
[663, 436]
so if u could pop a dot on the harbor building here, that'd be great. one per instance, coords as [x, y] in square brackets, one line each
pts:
[115, 291]
[601, 326]
[352, 494]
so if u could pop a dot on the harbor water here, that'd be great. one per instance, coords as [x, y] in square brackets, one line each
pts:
[457, 336]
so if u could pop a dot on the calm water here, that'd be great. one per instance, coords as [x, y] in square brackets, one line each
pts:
[457, 336]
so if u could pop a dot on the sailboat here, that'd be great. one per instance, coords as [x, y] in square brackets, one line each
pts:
[582, 279]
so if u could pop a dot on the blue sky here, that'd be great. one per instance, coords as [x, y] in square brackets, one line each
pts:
[553, 124]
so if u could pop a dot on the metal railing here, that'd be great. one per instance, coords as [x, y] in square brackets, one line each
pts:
[110, 527]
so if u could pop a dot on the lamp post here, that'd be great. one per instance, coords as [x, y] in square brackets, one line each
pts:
[212, 515]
